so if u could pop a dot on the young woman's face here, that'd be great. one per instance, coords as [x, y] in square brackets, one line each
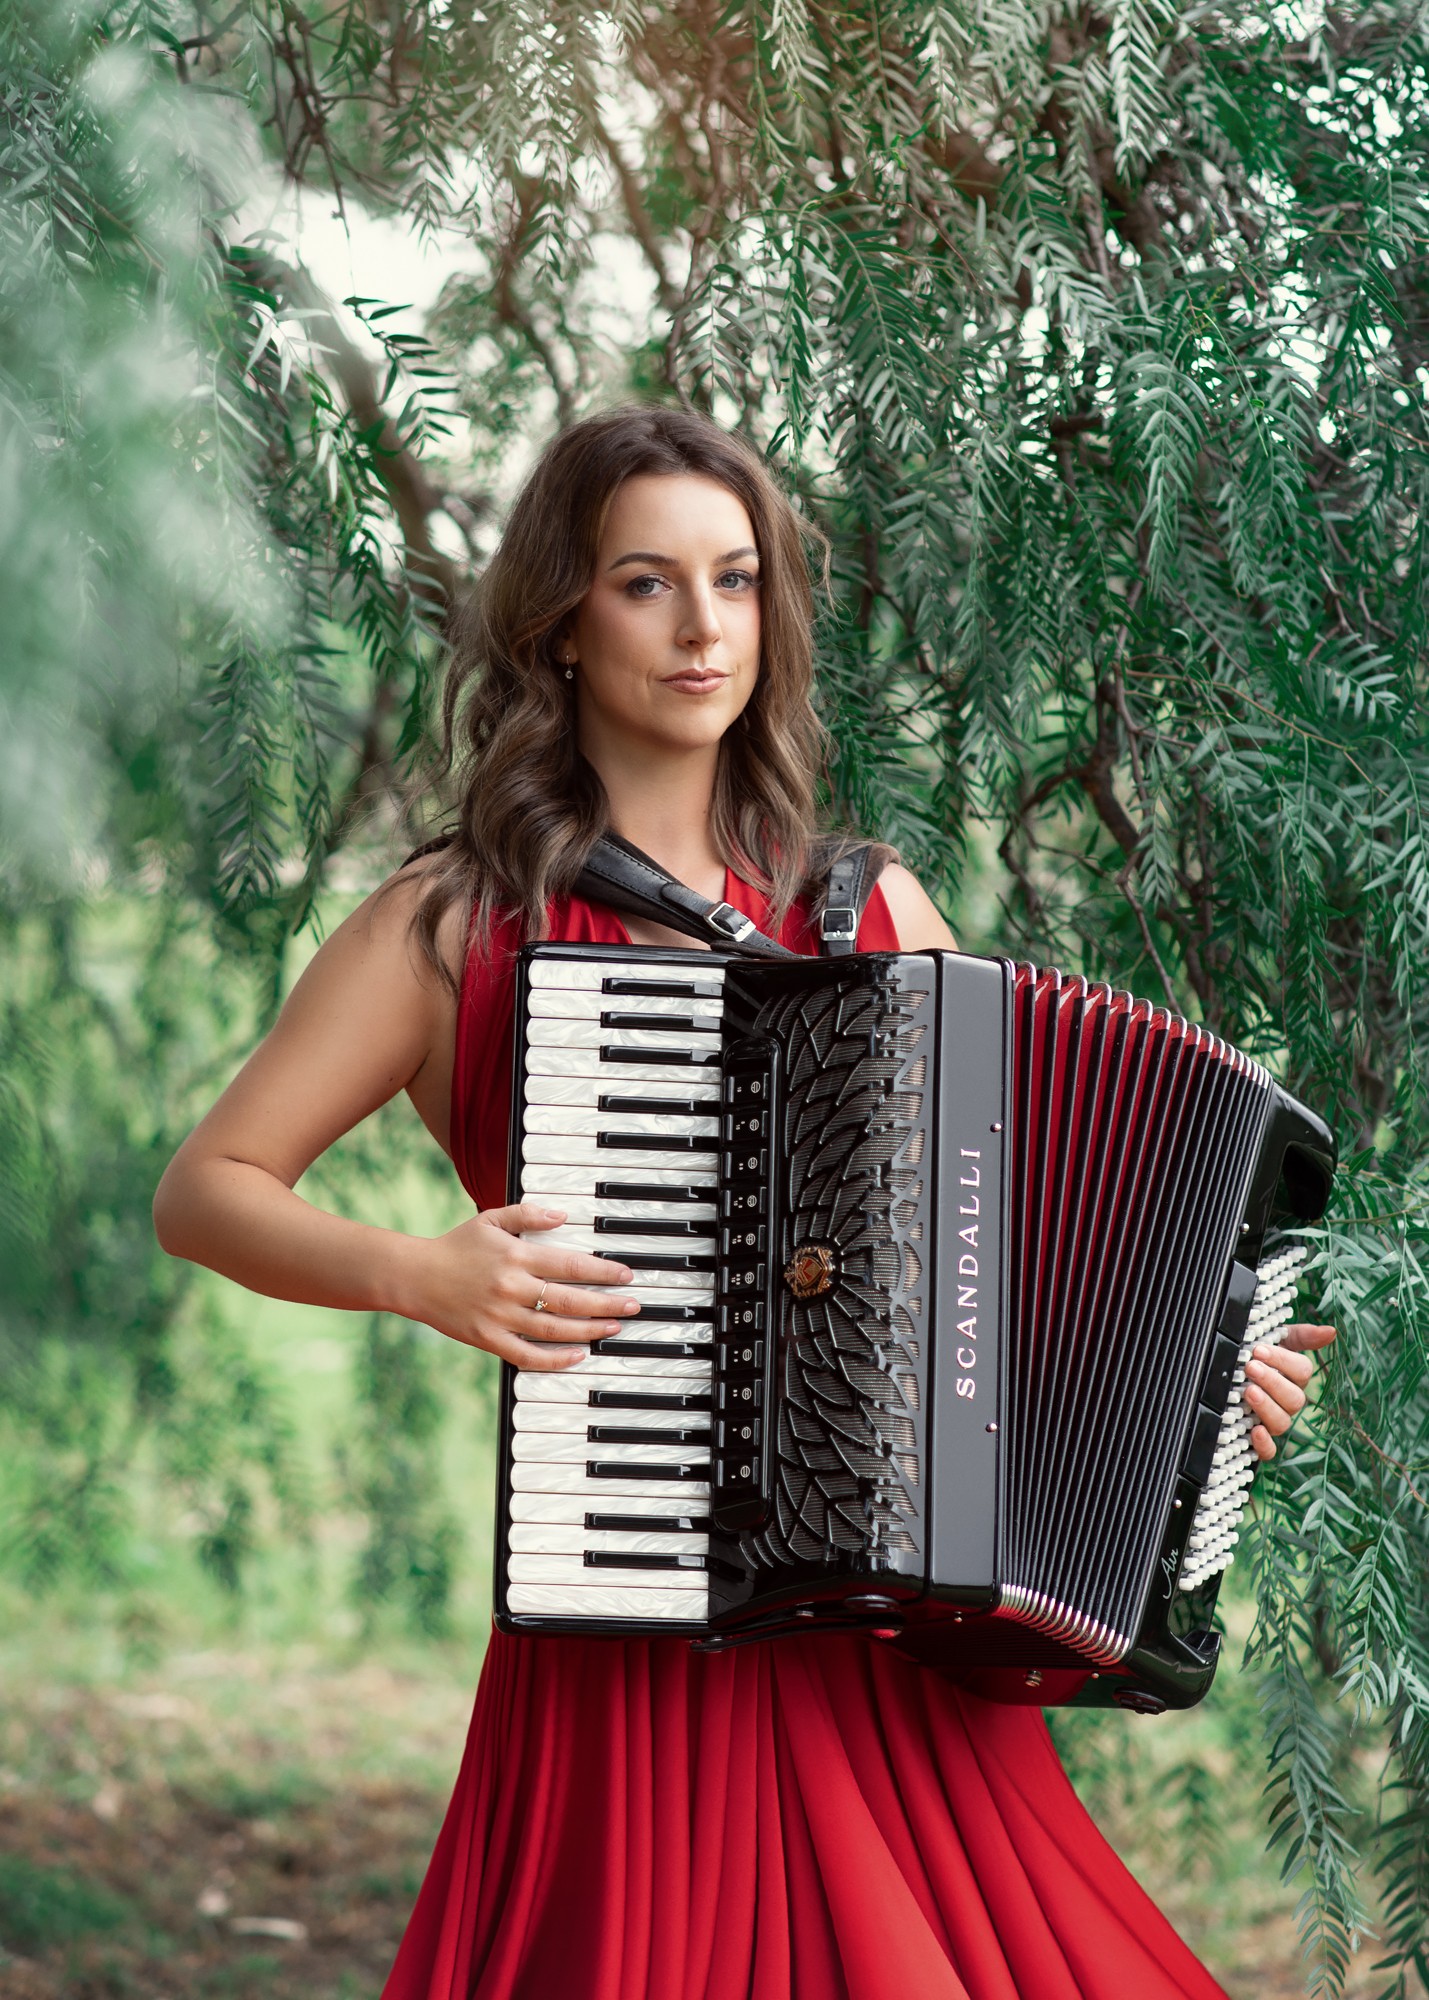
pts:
[665, 643]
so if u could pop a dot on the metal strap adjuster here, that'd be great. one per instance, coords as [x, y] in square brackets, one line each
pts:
[732, 922]
[840, 926]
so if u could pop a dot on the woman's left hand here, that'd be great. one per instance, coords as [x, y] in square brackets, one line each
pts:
[1276, 1378]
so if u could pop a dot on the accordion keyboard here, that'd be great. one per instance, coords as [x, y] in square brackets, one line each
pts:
[619, 1126]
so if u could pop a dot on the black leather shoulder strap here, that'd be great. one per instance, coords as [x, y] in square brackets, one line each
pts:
[622, 876]
[427, 847]
[851, 878]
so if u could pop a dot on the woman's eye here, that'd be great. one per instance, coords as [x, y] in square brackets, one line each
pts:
[645, 586]
[738, 579]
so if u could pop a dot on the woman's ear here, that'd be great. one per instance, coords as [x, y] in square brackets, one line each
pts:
[561, 644]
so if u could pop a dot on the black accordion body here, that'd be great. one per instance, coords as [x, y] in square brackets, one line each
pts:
[948, 1270]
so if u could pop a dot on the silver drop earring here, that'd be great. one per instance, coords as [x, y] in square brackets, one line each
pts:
[569, 675]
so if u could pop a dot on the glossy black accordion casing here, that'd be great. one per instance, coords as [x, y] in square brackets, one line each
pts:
[981, 1269]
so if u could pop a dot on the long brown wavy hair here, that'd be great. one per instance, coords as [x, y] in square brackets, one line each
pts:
[524, 806]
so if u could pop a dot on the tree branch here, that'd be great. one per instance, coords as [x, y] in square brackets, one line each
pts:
[638, 217]
[413, 496]
[509, 309]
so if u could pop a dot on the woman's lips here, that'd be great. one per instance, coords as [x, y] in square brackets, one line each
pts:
[695, 682]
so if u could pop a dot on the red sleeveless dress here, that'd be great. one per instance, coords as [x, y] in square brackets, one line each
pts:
[801, 1819]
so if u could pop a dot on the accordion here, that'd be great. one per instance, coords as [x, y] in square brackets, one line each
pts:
[948, 1271]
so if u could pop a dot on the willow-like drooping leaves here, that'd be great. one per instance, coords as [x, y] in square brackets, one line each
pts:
[1097, 342]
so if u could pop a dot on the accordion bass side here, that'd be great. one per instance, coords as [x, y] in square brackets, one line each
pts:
[948, 1270]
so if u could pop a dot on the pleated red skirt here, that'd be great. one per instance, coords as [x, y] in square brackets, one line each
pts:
[804, 1819]
[812, 1818]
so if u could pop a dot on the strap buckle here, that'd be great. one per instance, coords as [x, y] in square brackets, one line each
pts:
[840, 925]
[734, 923]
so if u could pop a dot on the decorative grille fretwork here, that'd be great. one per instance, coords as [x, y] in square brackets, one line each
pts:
[851, 1361]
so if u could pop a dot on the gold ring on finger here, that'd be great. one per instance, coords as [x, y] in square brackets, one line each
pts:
[540, 1305]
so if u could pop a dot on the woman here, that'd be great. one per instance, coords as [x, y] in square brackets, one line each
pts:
[807, 1817]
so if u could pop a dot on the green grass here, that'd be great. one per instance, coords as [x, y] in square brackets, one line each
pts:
[45, 1906]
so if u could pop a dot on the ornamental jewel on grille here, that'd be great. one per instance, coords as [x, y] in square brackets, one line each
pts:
[810, 1271]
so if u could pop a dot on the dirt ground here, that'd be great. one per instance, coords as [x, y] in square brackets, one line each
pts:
[243, 1830]
[235, 1829]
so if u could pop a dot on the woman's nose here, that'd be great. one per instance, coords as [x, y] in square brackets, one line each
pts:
[701, 625]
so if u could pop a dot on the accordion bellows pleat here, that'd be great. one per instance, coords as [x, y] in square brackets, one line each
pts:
[805, 1819]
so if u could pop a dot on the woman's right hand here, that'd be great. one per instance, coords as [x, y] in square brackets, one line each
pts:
[480, 1282]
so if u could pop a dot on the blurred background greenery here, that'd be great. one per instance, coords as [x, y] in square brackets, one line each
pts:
[1097, 339]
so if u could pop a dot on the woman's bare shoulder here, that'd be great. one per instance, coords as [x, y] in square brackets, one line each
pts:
[916, 918]
[384, 923]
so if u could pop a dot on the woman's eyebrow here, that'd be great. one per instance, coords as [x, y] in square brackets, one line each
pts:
[672, 562]
[646, 556]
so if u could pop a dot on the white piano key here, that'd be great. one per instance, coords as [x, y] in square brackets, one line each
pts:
[547, 1600]
[558, 1150]
[662, 1288]
[575, 1385]
[670, 1288]
[576, 1004]
[572, 1508]
[548, 1177]
[592, 973]
[568, 1538]
[589, 1062]
[602, 1495]
[679, 1375]
[591, 1035]
[572, 1571]
[605, 1243]
[695, 1335]
[583, 1091]
[576, 1419]
[665, 1288]
[569, 1119]
[562, 1448]
[584, 1208]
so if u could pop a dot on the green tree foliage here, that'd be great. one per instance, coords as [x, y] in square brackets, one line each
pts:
[1097, 339]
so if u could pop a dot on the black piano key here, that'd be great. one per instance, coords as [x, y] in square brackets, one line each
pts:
[645, 1191]
[655, 1142]
[641, 1260]
[659, 1024]
[653, 1350]
[636, 1434]
[649, 1524]
[664, 989]
[655, 1107]
[622, 1225]
[617, 1559]
[661, 1058]
[622, 1399]
[680, 1314]
[605, 1468]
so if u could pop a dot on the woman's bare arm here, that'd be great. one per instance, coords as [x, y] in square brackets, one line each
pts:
[359, 1025]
